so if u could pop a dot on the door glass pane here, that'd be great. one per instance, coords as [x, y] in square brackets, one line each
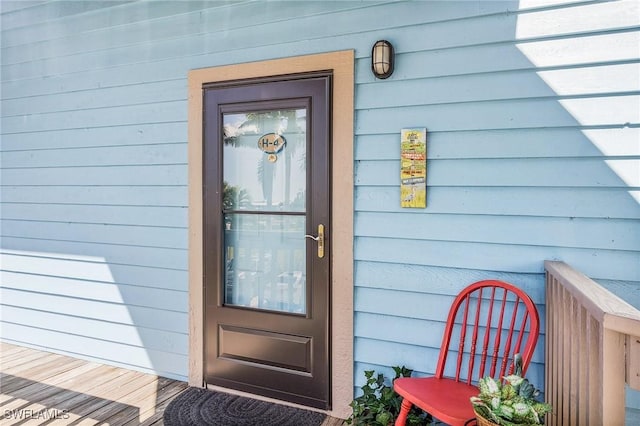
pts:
[265, 262]
[264, 171]
[264, 160]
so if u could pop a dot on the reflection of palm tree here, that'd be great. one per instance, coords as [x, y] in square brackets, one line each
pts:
[256, 123]
[232, 198]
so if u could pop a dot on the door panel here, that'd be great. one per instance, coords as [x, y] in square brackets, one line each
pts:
[266, 194]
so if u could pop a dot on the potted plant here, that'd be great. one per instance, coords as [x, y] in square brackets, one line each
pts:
[510, 403]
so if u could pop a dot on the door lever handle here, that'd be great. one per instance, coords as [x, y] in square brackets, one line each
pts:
[319, 239]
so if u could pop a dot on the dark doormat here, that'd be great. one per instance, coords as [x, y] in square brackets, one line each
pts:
[195, 407]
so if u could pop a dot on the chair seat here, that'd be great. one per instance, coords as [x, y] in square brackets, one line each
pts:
[445, 399]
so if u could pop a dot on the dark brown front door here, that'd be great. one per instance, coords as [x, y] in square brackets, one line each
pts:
[267, 237]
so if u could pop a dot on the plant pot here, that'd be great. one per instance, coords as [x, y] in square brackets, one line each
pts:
[481, 421]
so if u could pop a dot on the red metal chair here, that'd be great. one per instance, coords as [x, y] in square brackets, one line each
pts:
[487, 306]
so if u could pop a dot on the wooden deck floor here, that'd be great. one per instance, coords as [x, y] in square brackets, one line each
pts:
[39, 388]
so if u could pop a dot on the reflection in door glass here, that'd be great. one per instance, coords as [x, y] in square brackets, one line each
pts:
[264, 160]
[264, 208]
[265, 264]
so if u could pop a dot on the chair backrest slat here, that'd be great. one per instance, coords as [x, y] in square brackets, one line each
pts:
[463, 335]
[487, 333]
[496, 343]
[521, 333]
[474, 339]
[494, 302]
[507, 354]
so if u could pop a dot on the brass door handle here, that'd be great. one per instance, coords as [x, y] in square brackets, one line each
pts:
[319, 239]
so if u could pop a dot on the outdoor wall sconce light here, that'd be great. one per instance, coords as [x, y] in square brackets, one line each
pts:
[382, 59]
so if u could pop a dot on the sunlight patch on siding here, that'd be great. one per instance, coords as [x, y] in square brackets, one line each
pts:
[593, 80]
[572, 20]
[624, 143]
[582, 50]
[582, 87]
[57, 264]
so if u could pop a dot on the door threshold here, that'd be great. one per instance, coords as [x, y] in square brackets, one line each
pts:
[264, 398]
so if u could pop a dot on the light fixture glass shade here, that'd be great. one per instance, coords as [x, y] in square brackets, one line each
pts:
[382, 59]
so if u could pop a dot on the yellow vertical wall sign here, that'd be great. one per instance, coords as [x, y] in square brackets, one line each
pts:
[413, 168]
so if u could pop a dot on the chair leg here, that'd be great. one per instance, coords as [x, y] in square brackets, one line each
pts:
[404, 412]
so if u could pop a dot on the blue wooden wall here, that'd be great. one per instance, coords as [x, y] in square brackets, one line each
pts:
[533, 113]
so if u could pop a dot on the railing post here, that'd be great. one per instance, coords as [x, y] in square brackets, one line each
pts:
[592, 350]
[633, 361]
[613, 375]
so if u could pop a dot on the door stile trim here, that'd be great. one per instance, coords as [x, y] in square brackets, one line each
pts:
[341, 64]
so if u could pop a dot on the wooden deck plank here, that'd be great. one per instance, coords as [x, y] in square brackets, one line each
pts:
[14, 385]
[104, 409]
[43, 371]
[80, 392]
[164, 396]
[156, 417]
[73, 395]
[85, 402]
[21, 361]
[10, 350]
[34, 391]
[85, 392]
[52, 397]
[145, 400]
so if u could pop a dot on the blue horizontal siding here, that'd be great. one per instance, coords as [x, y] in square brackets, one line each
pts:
[602, 203]
[531, 113]
[619, 265]
[135, 134]
[504, 85]
[77, 193]
[96, 99]
[419, 305]
[438, 280]
[126, 334]
[149, 216]
[122, 155]
[572, 172]
[37, 13]
[559, 232]
[154, 318]
[151, 174]
[109, 292]
[93, 269]
[143, 236]
[491, 115]
[160, 112]
[510, 143]
[131, 255]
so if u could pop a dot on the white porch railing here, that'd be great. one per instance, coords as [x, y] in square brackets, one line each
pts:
[592, 349]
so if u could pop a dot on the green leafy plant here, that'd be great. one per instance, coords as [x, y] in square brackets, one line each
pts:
[379, 404]
[511, 403]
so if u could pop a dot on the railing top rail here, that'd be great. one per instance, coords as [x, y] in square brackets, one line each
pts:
[614, 313]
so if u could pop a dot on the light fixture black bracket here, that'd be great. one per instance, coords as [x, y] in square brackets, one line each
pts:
[382, 58]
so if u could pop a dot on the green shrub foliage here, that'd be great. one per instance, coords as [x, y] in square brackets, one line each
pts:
[379, 404]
